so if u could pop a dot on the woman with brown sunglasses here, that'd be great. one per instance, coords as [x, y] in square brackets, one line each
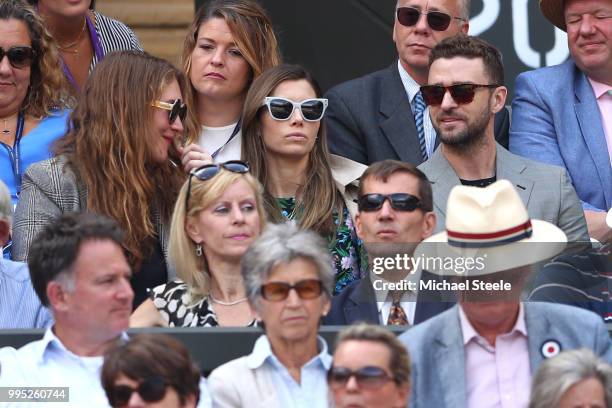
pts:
[119, 159]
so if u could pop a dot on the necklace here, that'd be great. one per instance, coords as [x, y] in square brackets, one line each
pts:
[67, 47]
[6, 130]
[222, 303]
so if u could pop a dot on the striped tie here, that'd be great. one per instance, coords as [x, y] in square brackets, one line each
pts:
[419, 110]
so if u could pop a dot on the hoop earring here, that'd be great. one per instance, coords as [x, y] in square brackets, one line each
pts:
[199, 250]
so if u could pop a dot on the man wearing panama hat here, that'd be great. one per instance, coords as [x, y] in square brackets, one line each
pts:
[562, 115]
[486, 347]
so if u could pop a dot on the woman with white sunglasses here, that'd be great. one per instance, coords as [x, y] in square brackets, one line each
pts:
[285, 142]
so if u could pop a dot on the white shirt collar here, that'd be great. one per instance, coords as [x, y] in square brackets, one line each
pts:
[410, 85]
[262, 351]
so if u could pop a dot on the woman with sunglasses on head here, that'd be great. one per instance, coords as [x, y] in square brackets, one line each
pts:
[34, 95]
[289, 279]
[218, 214]
[83, 36]
[151, 371]
[118, 160]
[286, 144]
[229, 44]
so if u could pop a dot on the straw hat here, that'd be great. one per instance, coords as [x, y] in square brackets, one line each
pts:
[554, 11]
[491, 223]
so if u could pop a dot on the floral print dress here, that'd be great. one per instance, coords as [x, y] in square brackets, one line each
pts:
[347, 250]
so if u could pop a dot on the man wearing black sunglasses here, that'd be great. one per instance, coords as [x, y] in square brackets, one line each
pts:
[395, 214]
[382, 115]
[465, 91]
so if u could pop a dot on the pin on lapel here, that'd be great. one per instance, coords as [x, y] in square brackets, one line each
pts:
[550, 348]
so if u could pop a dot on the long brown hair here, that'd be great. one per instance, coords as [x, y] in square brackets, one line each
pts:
[48, 88]
[250, 26]
[318, 197]
[108, 145]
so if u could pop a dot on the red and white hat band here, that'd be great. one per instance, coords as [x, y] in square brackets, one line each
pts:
[489, 239]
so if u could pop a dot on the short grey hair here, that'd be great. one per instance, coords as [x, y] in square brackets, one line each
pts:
[6, 204]
[464, 7]
[558, 374]
[283, 243]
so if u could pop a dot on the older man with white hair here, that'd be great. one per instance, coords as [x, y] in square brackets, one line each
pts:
[19, 305]
[487, 347]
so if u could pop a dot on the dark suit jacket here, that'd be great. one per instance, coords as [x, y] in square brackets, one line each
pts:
[369, 119]
[357, 303]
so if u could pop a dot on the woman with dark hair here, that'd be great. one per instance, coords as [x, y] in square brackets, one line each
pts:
[229, 44]
[286, 145]
[34, 95]
[151, 370]
[83, 35]
[119, 160]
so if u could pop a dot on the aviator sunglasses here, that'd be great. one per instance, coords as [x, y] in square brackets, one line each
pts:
[305, 289]
[209, 171]
[437, 20]
[175, 109]
[369, 377]
[433, 95]
[312, 110]
[399, 202]
[19, 57]
[150, 390]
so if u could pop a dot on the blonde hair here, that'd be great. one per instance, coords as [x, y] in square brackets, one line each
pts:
[190, 268]
[108, 146]
[49, 89]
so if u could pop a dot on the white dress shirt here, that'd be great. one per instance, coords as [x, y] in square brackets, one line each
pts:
[407, 301]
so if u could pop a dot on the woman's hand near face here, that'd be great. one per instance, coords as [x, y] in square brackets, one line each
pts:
[193, 156]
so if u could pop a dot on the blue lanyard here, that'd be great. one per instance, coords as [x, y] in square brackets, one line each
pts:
[234, 133]
[14, 153]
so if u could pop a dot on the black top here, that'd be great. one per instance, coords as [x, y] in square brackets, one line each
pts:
[152, 273]
[479, 183]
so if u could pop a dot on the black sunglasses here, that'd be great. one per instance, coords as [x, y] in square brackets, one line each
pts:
[437, 20]
[305, 289]
[433, 95]
[150, 390]
[175, 109]
[399, 201]
[369, 377]
[19, 57]
[312, 110]
[209, 171]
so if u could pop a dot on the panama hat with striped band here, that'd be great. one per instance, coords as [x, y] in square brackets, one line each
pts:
[492, 224]
[554, 11]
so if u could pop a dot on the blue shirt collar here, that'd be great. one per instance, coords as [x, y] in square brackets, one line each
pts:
[262, 352]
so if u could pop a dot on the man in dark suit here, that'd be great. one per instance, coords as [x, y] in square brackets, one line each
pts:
[381, 115]
[395, 214]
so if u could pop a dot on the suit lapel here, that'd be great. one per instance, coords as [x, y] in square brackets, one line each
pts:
[589, 119]
[398, 127]
[511, 168]
[450, 354]
[362, 306]
[539, 331]
[443, 179]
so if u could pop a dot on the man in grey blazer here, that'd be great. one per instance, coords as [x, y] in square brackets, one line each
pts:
[465, 91]
[377, 116]
[488, 346]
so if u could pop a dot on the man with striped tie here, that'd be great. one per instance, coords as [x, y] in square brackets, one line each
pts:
[465, 89]
[382, 115]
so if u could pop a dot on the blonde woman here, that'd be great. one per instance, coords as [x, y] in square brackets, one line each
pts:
[218, 214]
[229, 44]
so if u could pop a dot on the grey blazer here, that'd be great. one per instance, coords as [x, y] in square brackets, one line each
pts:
[546, 190]
[50, 188]
[437, 351]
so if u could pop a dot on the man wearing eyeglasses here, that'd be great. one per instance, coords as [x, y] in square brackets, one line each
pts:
[465, 91]
[395, 215]
[562, 115]
[382, 115]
